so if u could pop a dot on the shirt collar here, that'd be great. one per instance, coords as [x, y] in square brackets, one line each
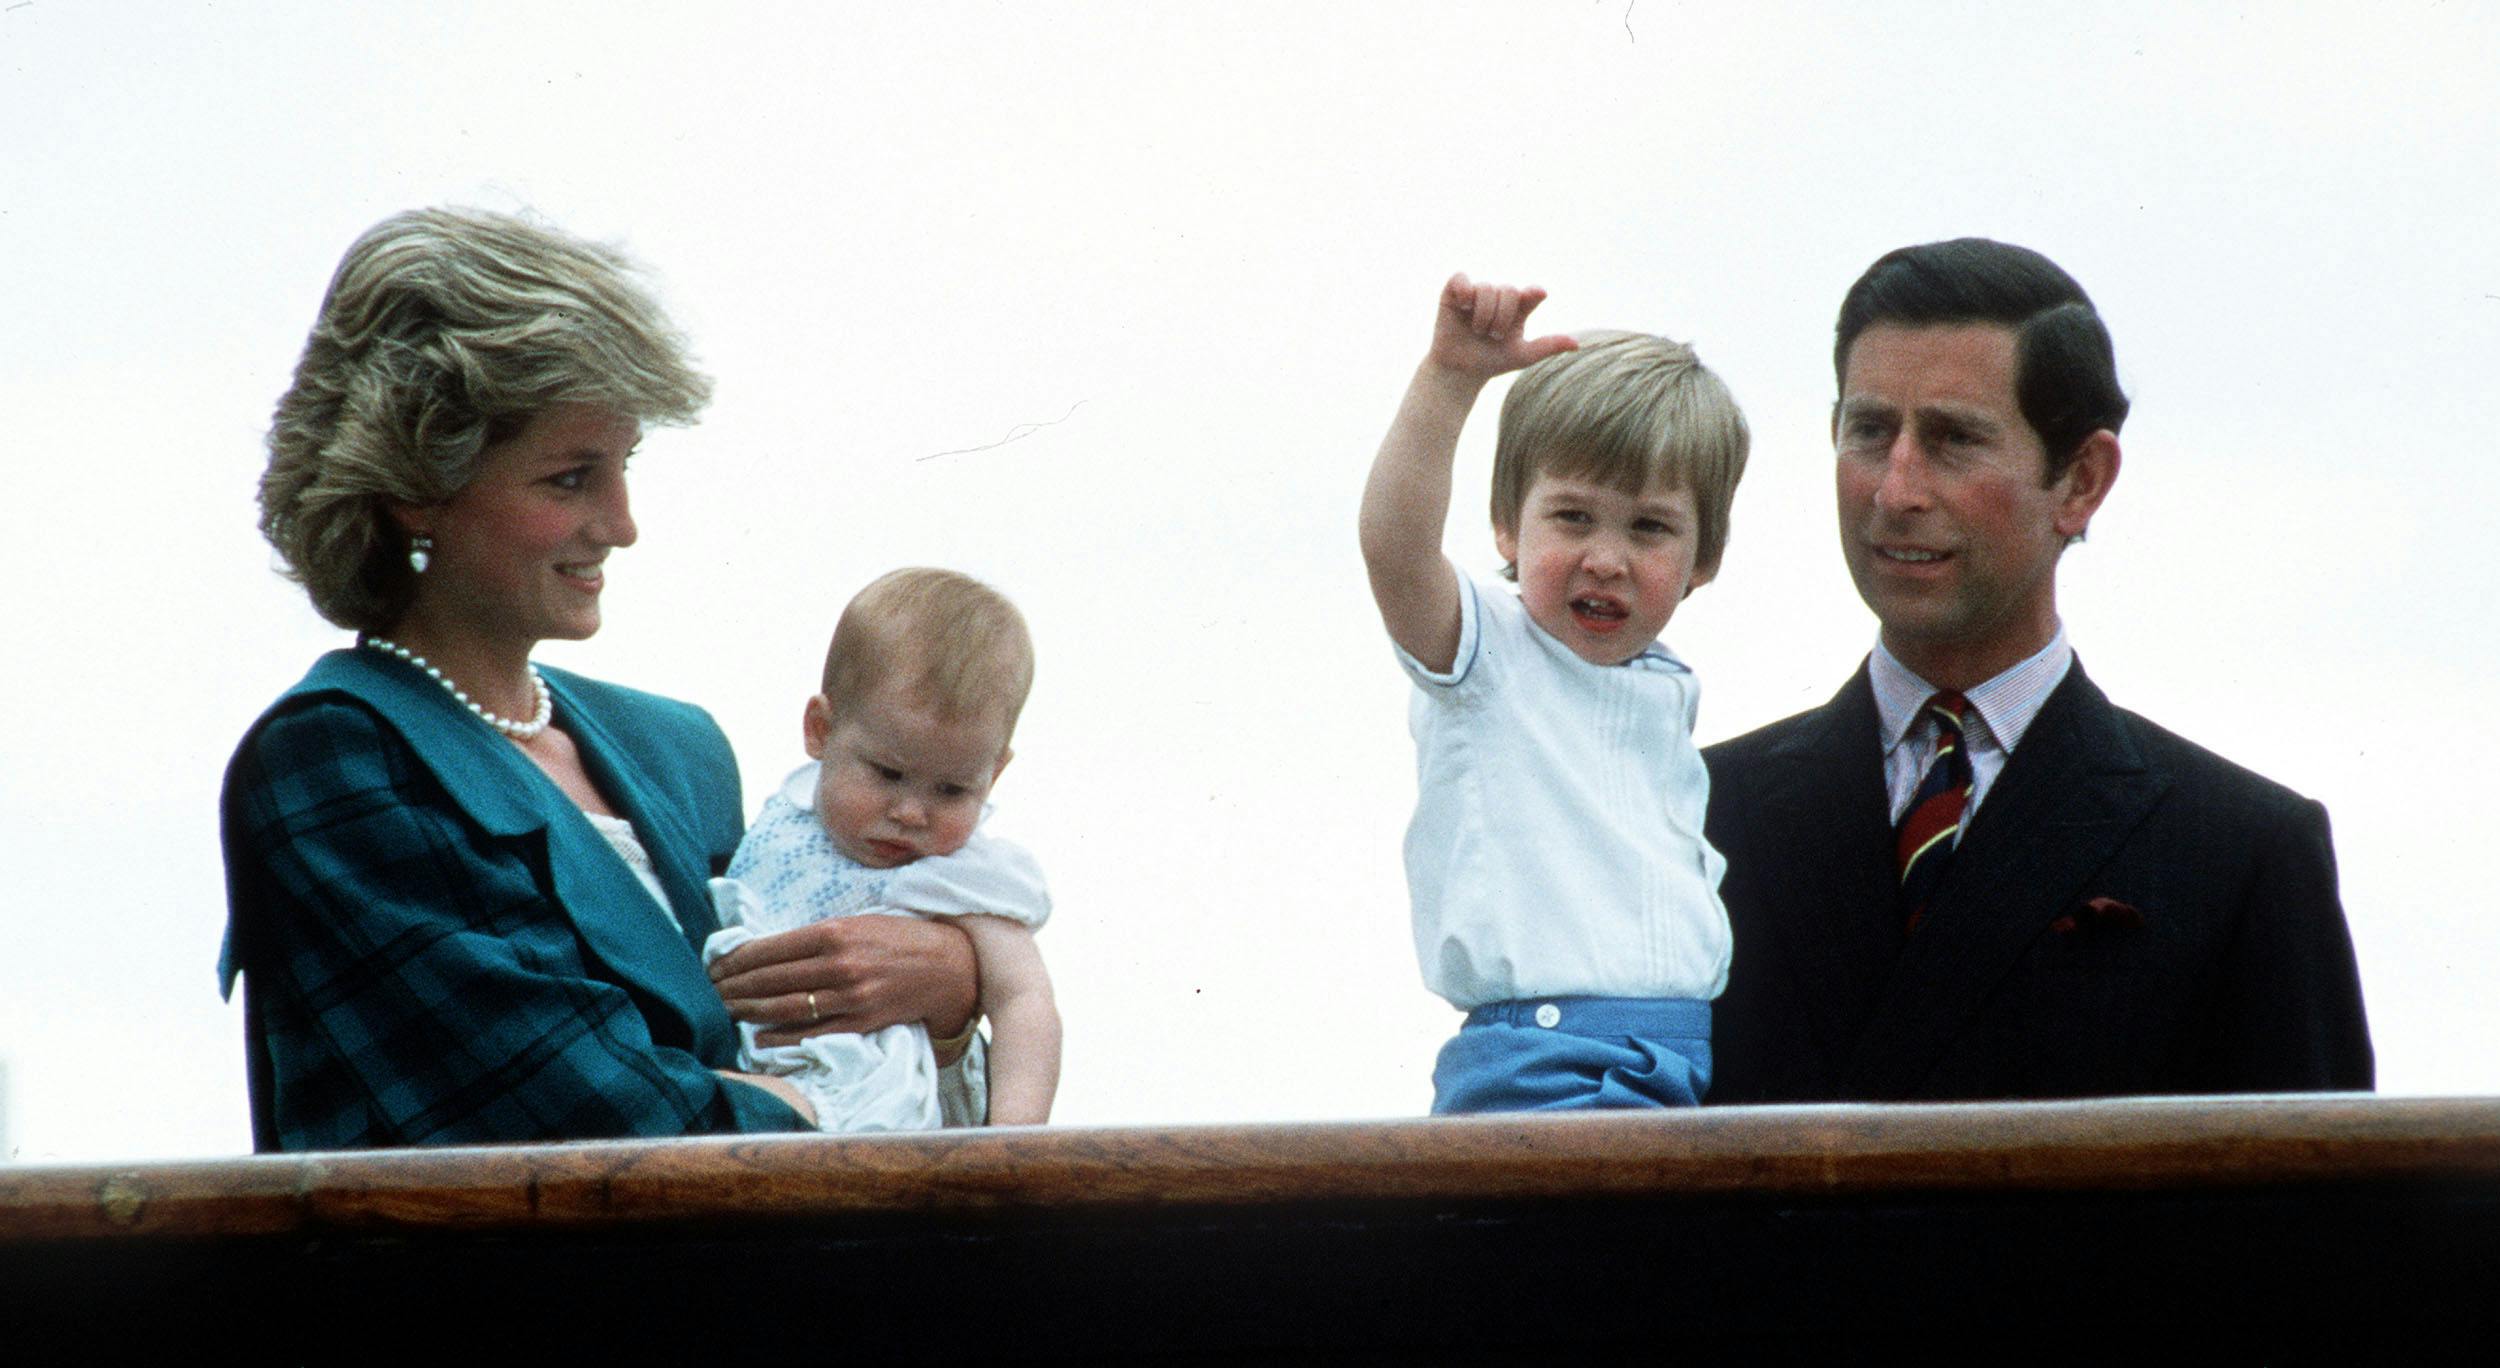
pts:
[2005, 704]
[1656, 656]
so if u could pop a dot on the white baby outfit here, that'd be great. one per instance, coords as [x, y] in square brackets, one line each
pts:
[788, 874]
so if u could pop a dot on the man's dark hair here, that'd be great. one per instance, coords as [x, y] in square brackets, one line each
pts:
[2065, 373]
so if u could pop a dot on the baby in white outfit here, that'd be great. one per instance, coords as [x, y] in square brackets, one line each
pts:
[926, 676]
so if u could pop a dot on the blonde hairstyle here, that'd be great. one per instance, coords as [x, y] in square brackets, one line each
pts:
[1627, 410]
[444, 331]
[948, 637]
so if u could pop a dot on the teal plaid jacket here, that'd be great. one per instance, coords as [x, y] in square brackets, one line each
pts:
[437, 948]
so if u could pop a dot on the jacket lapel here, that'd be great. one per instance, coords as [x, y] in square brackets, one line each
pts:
[508, 796]
[611, 907]
[2070, 794]
[674, 846]
[1831, 895]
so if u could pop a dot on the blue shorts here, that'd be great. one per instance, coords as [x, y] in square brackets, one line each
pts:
[1567, 1053]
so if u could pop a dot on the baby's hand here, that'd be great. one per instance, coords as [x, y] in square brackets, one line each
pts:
[1478, 331]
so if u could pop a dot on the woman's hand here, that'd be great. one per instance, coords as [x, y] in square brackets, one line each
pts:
[852, 974]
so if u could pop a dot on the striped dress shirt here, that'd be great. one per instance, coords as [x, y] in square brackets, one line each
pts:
[2001, 710]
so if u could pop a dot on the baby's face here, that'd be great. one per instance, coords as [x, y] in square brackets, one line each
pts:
[901, 780]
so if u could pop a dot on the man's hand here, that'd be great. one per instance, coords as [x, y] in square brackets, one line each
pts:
[1480, 330]
[851, 974]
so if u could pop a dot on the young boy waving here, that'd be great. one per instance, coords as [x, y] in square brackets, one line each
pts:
[1564, 896]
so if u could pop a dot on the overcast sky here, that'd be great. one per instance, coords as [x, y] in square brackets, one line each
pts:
[1109, 304]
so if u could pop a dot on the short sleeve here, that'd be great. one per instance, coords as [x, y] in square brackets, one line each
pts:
[991, 876]
[1470, 641]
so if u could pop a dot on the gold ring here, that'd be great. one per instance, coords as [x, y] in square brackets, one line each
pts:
[812, 1013]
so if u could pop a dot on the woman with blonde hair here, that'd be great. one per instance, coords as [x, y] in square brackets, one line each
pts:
[465, 892]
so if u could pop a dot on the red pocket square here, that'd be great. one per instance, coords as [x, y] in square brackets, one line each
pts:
[2099, 912]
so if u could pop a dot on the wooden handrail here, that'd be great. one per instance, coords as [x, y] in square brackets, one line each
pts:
[2228, 1229]
[1796, 1152]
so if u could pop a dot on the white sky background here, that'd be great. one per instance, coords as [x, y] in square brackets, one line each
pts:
[1214, 232]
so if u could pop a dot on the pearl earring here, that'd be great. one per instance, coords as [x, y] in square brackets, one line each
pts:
[420, 552]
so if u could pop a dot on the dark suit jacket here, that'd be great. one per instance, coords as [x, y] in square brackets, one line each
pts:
[2219, 961]
[438, 948]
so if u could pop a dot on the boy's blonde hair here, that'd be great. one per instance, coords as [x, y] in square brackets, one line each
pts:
[954, 641]
[1626, 409]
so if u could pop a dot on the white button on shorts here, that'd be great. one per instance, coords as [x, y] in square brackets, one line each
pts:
[1548, 1015]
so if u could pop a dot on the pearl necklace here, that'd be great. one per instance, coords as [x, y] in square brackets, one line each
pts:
[518, 731]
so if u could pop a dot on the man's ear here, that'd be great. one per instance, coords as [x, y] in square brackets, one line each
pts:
[818, 725]
[2086, 482]
[1005, 754]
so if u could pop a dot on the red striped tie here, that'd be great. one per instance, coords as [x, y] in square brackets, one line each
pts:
[1924, 841]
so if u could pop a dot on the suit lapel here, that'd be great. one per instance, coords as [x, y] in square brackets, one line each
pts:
[2068, 797]
[1831, 897]
[509, 797]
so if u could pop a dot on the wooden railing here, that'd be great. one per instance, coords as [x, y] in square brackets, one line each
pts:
[2257, 1228]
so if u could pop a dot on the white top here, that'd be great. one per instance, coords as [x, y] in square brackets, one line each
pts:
[798, 876]
[628, 847]
[1557, 844]
[2003, 709]
[787, 874]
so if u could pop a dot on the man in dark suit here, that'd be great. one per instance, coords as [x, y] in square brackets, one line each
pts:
[1970, 875]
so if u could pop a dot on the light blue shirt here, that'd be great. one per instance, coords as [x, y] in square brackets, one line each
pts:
[1557, 843]
[2004, 706]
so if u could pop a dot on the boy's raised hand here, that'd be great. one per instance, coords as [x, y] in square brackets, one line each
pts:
[1476, 335]
[1480, 329]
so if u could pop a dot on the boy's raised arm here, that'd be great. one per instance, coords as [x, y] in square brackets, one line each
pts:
[1476, 335]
